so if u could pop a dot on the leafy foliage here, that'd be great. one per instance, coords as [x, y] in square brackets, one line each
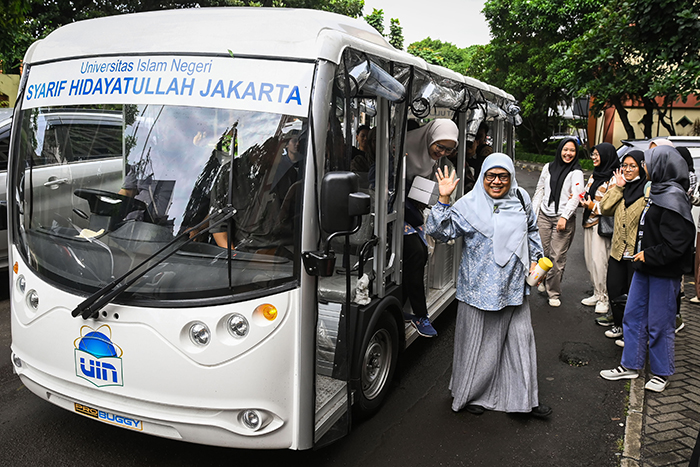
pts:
[376, 20]
[528, 39]
[396, 34]
[24, 21]
[639, 49]
[444, 54]
[14, 37]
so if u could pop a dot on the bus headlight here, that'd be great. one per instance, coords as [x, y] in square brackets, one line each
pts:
[252, 419]
[21, 284]
[238, 326]
[200, 334]
[33, 299]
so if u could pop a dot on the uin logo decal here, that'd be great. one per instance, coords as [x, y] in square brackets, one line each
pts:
[97, 358]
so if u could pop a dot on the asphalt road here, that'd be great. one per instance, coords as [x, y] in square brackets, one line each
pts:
[416, 426]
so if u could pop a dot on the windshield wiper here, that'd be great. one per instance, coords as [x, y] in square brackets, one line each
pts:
[95, 302]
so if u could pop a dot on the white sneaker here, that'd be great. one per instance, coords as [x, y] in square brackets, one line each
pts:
[601, 307]
[555, 302]
[656, 384]
[620, 343]
[541, 288]
[695, 300]
[619, 373]
[614, 332]
[590, 301]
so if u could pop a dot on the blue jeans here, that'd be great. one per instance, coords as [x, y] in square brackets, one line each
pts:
[650, 314]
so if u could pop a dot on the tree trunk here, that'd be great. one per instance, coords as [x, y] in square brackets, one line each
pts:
[624, 116]
[665, 114]
[648, 119]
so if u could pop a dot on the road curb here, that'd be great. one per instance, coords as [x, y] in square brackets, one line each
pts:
[527, 165]
[631, 452]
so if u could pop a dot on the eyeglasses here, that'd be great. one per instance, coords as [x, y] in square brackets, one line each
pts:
[629, 167]
[444, 149]
[503, 177]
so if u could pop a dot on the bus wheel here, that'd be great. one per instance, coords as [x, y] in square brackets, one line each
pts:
[380, 352]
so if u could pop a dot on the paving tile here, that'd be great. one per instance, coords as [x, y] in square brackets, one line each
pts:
[667, 435]
[667, 417]
[692, 396]
[687, 441]
[678, 389]
[663, 459]
[671, 399]
[672, 425]
[663, 447]
[676, 407]
[689, 405]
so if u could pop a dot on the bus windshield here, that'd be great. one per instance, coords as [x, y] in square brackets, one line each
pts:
[102, 187]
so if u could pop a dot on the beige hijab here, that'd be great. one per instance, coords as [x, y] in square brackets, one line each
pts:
[418, 160]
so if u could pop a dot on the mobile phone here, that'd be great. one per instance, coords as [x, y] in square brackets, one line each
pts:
[627, 257]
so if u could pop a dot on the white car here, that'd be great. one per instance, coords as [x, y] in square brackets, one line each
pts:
[5, 127]
[83, 149]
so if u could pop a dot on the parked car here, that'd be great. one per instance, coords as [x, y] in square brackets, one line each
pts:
[5, 127]
[85, 150]
[691, 142]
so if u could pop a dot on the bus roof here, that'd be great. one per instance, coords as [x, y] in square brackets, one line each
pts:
[267, 32]
[296, 34]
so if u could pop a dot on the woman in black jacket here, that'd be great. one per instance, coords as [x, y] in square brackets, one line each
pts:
[664, 246]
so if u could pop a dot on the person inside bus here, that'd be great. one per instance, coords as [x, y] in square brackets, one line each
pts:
[495, 363]
[361, 139]
[364, 160]
[287, 172]
[264, 224]
[425, 146]
[479, 149]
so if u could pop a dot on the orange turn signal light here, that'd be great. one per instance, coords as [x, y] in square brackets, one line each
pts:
[268, 311]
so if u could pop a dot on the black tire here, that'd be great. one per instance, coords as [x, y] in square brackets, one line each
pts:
[377, 359]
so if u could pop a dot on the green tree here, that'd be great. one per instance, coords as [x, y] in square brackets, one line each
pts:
[444, 54]
[638, 50]
[14, 36]
[24, 21]
[352, 8]
[527, 38]
[376, 20]
[396, 34]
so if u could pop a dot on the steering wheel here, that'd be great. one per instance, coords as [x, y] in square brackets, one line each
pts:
[106, 203]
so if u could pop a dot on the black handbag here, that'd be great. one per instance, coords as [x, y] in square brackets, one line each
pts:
[605, 226]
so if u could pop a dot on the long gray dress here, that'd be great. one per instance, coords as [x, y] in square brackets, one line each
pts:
[495, 362]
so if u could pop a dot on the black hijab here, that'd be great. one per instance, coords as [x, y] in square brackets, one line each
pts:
[635, 189]
[603, 172]
[685, 153]
[558, 170]
[668, 173]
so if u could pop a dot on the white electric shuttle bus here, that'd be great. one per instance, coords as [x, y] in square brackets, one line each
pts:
[192, 256]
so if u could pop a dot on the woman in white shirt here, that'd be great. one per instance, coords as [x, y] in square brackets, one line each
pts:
[556, 198]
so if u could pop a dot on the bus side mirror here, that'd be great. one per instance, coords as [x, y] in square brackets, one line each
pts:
[342, 208]
[341, 204]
